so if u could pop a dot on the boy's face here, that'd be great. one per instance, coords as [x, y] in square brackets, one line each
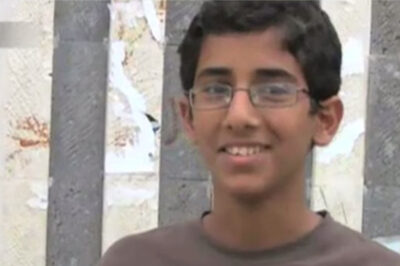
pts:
[272, 142]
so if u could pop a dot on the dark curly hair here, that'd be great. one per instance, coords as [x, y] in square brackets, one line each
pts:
[308, 35]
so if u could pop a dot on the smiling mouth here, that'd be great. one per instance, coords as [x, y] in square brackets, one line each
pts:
[244, 150]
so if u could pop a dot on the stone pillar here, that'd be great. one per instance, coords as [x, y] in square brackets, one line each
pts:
[184, 181]
[381, 217]
[81, 30]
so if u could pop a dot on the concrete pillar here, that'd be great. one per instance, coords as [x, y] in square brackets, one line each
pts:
[381, 217]
[81, 30]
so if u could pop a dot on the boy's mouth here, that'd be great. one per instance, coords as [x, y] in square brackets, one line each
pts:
[244, 150]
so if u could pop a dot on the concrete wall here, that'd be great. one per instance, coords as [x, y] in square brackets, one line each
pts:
[132, 142]
[25, 93]
[338, 169]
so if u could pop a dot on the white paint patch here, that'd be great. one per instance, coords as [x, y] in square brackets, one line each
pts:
[392, 243]
[129, 12]
[353, 58]
[152, 20]
[139, 156]
[39, 201]
[343, 144]
[123, 196]
[348, 5]
[118, 80]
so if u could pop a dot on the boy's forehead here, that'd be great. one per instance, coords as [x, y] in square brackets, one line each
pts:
[273, 36]
[231, 47]
[260, 53]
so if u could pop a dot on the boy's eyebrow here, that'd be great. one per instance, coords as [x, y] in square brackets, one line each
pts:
[271, 73]
[215, 71]
[275, 73]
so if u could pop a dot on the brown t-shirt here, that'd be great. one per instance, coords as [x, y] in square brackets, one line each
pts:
[185, 244]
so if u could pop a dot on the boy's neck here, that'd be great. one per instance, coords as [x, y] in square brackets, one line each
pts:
[274, 222]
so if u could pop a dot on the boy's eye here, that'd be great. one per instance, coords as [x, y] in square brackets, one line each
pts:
[216, 89]
[275, 90]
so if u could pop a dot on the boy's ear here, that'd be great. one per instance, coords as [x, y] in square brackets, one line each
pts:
[186, 116]
[328, 121]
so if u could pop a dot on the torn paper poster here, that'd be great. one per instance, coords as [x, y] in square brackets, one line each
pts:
[131, 11]
[128, 12]
[343, 144]
[137, 153]
[152, 20]
[353, 58]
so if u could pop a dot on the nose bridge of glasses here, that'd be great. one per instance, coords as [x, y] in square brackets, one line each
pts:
[241, 112]
[242, 92]
[243, 95]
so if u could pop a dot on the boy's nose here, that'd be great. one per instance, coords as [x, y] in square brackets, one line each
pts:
[241, 113]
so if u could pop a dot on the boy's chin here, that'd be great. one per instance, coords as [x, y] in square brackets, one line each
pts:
[250, 194]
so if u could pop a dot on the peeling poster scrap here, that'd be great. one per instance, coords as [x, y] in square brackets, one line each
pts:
[137, 154]
[152, 19]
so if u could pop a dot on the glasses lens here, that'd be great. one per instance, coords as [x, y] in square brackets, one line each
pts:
[211, 96]
[274, 95]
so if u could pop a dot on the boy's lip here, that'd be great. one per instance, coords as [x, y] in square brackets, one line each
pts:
[243, 162]
[226, 145]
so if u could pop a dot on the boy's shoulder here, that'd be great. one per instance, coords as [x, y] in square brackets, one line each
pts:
[156, 244]
[353, 248]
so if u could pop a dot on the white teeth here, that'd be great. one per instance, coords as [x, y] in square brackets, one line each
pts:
[244, 151]
[256, 149]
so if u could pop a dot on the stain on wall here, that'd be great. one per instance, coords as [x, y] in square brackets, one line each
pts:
[30, 133]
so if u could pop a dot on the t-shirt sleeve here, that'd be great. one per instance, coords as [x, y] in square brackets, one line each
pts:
[120, 253]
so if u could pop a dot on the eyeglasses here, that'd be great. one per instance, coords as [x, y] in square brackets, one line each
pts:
[271, 95]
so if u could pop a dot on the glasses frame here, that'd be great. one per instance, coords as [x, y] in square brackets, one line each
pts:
[191, 92]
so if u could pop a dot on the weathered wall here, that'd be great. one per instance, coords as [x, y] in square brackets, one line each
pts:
[382, 169]
[25, 93]
[338, 169]
[132, 142]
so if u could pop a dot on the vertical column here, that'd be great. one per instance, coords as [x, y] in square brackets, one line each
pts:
[184, 181]
[382, 169]
[81, 30]
[338, 168]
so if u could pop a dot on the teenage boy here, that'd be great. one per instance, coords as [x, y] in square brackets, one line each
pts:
[261, 80]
